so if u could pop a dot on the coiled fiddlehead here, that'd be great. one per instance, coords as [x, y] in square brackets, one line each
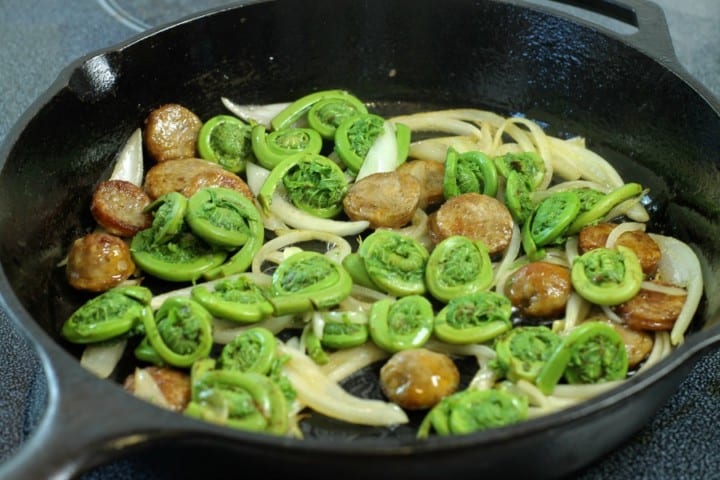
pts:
[401, 324]
[272, 148]
[113, 313]
[308, 280]
[243, 400]
[253, 350]
[355, 136]
[325, 115]
[523, 351]
[607, 276]
[458, 266]
[469, 172]
[239, 299]
[473, 318]
[548, 222]
[528, 165]
[394, 262]
[179, 334]
[592, 352]
[225, 140]
[314, 184]
[473, 410]
[168, 216]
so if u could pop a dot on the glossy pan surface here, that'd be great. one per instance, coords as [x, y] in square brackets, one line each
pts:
[500, 55]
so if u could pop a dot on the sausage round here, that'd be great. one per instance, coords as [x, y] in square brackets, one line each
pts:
[117, 205]
[540, 289]
[98, 262]
[417, 379]
[173, 384]
[476, 216]
[638, 344]
[171, 132]
[187, 174]
[431, 175]
[651, 310]
[646, 249]
[385, 199]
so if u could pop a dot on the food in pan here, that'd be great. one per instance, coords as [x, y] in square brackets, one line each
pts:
[270, 252]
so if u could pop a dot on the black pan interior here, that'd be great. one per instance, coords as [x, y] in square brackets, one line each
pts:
[401, 56]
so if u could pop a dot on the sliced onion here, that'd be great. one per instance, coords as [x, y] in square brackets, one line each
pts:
[147, 388]
[261, 114]
[679, 266]
[343, 363]
[102, 358]
[296, 218]
[382, 156]
[316, 390]
[129, 162]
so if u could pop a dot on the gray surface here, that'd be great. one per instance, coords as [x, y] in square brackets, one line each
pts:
[39, 38]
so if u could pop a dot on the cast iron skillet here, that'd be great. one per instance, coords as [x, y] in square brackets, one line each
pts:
[626, 94]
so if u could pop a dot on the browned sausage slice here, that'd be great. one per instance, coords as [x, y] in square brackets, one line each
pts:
[171, 132]
[651, 310]
[173, 384]
[431, 175]
[419, 378]
[385, 199]
[117, 205]
[638, 344]
[98, 262]
[186, 175]
[476, 216]
[540, 289]
[646, 249]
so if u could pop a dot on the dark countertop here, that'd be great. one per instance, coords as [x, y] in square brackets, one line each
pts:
[40, 38]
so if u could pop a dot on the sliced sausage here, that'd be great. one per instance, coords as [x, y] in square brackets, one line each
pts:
[476, 216]
[171, 132]
[646, 249]
[431, 175]
[417, 379]
[98, 262]
[117, 205]
[186, 174]
[385, 199]
[540, 289]
[217, 178]
[638, 344]
[651, 310]
[173, 384]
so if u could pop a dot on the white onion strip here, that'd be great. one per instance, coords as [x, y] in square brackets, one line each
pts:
[129, 161]
[102, 358]
[261, 114]
[679, 266]
[317, 391]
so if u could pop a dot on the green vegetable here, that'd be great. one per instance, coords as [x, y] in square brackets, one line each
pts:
[469, 172]
[308, 280]
[183, 258]
[517, 197]
[293, 112]
[225, 140]
[242, 400]
[529, 165]
[168, 216]
[602, 206]
[180, 332]
[355, 266]
[113, 313]
[471, 410]
[458, 266]
[224, 217]
[239, 300]
[395, 262]
[473, 318]
[401, 324]
[343, 329]
[552, 216]
[523, 351]
[607, 276]
[592, 352]
[253, 350]
[272, 148]
[355, 136]
[313, 346]
[314, 184]
[325, 115]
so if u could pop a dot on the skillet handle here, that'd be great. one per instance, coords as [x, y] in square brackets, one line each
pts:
[652, 35]
[86, 423]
